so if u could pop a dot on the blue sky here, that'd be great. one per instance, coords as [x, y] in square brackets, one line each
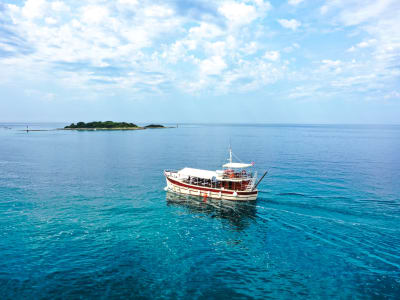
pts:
[252, 61]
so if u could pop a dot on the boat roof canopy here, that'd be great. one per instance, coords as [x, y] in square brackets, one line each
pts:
[235, 165]
[206, 174]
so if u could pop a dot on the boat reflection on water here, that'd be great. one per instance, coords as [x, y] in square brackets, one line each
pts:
[239, 213]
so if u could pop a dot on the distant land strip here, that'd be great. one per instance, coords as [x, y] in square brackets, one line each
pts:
[109, 125]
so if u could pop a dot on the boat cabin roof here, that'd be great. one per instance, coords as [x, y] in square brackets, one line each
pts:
[235, 165]
[206, 174]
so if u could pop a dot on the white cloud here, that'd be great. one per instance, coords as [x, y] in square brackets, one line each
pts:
[59, 6]
[368, 43]
[158, 11]
[353, 80]
[292, 24]
[250, 48]
[212, 66]
[218, 48]
[361, 13]
[128, 2]
[272, 55]
[379, 51]
[37, 94]
[50, 20]
[351, 49]
[304, 91]
[392, 95]
[291, 48]
[331, 63]
[34, 8]
[238, 13]
[94, 14]
[262, 6]
[324, 9]
[350, 12]
[146, 45]
[86, 37]
[205, 30]
[295, 2]
[250, 75]
[135, 39]
[364, 44]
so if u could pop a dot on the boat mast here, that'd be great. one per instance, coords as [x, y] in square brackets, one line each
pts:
[230, 153]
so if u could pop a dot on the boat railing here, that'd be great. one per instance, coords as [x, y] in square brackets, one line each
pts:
[248, 179]
[237, 175]
[252, 179]
[172, 173]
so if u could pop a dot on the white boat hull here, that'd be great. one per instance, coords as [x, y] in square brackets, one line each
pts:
[177, 186]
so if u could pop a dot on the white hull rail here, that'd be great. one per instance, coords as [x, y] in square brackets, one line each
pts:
[177, 185]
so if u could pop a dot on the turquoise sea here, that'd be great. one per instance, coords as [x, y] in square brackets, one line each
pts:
[85, 215]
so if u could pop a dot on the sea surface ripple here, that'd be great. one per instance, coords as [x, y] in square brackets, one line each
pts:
[84, 214]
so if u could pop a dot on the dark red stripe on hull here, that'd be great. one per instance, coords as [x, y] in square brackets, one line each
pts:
[207, 189]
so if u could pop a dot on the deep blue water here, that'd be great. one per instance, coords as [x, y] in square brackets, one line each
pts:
[84, 214]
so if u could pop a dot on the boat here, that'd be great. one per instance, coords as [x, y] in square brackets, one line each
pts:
[236, 181]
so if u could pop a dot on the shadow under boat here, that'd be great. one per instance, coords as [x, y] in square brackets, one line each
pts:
[239, 213]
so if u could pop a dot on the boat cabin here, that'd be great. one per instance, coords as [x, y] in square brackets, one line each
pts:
[233, 177]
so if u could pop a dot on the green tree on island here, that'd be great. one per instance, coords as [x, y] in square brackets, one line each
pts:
[154, 126]
[99, 124]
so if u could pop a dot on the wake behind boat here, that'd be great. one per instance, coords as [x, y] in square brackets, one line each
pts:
[236, 181]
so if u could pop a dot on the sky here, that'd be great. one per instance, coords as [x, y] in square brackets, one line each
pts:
[228, 61]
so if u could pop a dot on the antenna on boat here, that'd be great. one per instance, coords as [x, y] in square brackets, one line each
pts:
[259, 181]
[230, 152]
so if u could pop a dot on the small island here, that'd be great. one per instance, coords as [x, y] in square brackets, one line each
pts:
[154, 126]
[108, 125]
